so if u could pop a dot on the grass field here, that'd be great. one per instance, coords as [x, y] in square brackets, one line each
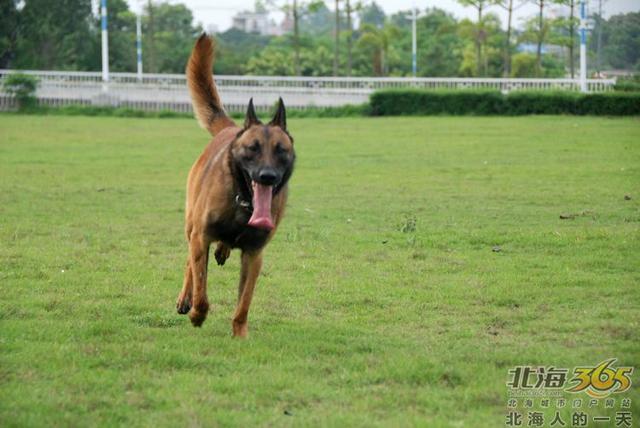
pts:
[384, 300]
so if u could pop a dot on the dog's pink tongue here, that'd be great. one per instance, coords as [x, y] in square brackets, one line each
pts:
[261, 217]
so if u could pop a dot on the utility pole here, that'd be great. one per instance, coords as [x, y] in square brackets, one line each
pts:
[583, 46]
[139, 45]
[105, 47]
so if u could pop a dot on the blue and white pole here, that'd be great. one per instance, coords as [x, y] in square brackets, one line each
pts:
[139, 46]
[583, 46]
[105, 47]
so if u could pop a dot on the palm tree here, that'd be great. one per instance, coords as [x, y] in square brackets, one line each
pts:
[376, 41]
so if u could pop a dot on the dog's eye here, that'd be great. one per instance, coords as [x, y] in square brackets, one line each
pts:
[255, 147]
[280, 149]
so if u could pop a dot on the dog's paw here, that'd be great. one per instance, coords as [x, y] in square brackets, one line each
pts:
[197, 318]
[197, 315]
[183, 305]
[222, 254]
[240, 330]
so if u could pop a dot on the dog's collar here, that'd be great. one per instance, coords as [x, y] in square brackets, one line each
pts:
[242, 203]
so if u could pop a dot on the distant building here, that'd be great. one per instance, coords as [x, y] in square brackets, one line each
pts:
[286, 26]
[531, 48]
[256, 22]
[561, 12]
[546, 49]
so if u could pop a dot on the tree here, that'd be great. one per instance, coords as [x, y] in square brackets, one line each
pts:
[572, 36]
[372, 14]
[234, 48]
[375, 42]
[620, 41]
[296, 37]
[541, 33]
[337, 40]
[122, 36]
[599, 45]
[439, 44]
[150, 38]
[508, 6]
[270, 61]
[276, 59]
[315, 17]
[480, 35]
[56, 38]
[371, 41]
[297, 11]
[349, 37]
[562, 32]
[8, 31]
[525, 65]
[22, 87]
[316, 62]
[169, 35]
[536, 31]
[402, 18]
[492, 47]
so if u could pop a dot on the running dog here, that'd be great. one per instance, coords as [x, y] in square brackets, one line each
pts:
[236, 190]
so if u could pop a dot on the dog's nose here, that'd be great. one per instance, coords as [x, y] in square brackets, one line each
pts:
[268, 176]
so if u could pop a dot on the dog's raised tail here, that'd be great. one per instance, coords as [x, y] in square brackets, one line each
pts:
[204, 95]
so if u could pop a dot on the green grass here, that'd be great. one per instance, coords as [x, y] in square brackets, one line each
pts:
[381, 302]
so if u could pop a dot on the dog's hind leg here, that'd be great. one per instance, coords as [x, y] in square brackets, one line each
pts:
[198, 259]
[183, 303]
[251, 265]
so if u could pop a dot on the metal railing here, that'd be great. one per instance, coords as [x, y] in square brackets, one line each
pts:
[169, 91]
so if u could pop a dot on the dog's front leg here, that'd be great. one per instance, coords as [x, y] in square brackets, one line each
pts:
[183, 303]
[199, 258]
[251, 265]
[222, 253]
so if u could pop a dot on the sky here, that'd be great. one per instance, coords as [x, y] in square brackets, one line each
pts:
[217, 14]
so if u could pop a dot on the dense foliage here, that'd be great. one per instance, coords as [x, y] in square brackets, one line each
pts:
[65, 35]
[22, 87]
[423, 102]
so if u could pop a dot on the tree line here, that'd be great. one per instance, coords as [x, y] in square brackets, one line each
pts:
[352, 38]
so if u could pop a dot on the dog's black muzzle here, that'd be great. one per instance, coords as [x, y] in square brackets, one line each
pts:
[267, 176]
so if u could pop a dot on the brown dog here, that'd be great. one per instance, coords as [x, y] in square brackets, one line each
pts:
[236, 191]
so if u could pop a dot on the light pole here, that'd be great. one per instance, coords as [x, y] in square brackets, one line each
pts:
[105, 47]
[414, 40]
[583, 46]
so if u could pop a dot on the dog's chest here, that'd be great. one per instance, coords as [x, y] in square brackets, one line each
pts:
[235, 233]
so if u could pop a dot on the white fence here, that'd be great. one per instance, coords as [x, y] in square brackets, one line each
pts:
[168, 91]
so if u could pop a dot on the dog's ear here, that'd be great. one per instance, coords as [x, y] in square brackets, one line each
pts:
[251, 118]
[280, 118]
